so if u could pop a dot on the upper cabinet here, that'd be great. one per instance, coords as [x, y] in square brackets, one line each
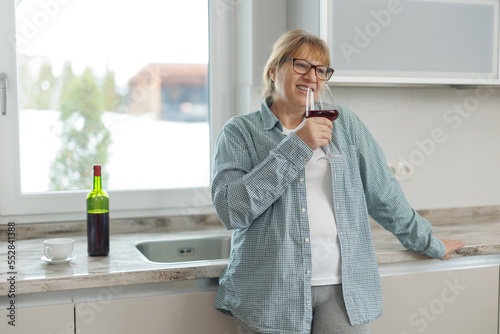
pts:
[394, 42]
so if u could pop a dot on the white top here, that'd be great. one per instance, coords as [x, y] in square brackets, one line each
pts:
[325, 246]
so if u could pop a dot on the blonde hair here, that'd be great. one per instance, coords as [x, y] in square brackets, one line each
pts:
[289, 44]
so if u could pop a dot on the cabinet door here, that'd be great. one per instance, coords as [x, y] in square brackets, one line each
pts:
[53, 319]
[379, 41]
[454, 301]
[189, 313]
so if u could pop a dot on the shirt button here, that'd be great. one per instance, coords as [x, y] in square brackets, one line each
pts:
[301, 179]
[306, 160]
[303, 210]
[308, 272]
[308, 303]
[306, 239]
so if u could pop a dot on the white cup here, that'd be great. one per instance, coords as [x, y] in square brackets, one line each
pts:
[58, 249]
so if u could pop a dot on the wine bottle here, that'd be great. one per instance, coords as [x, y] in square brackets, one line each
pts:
[97, 218]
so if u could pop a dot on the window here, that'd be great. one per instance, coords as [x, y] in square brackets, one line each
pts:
[122, 84]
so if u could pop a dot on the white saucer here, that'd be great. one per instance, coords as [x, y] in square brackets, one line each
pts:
[49, 261]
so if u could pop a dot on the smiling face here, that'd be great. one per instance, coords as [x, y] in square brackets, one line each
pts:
[291, 87]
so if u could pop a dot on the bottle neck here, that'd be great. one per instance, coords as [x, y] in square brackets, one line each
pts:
[97, 183]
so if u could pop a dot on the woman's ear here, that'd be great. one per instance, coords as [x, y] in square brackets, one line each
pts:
[272, 73]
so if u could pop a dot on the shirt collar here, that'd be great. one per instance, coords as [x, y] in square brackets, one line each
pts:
[268, 118]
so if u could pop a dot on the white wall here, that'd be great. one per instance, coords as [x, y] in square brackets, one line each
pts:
[451, 137]
[458, 167]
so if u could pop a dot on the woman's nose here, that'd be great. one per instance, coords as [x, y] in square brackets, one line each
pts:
[311, 75]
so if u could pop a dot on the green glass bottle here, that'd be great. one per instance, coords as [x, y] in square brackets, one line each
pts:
[97, 218]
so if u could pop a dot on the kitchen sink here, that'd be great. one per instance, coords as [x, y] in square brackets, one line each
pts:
[188, 249]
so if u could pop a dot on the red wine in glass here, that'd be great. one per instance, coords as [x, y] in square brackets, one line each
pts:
[330, 114]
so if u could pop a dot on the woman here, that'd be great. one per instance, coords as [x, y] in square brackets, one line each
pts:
[302, 257]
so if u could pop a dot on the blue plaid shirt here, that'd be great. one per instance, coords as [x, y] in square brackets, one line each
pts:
[259, 191]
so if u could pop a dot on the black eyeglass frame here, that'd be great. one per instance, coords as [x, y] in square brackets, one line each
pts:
[328, 69]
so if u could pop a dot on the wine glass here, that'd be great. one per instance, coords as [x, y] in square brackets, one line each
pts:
[322, 106]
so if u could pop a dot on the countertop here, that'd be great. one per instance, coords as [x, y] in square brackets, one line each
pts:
[478, 229]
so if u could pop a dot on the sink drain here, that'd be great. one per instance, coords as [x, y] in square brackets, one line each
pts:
[185, 251]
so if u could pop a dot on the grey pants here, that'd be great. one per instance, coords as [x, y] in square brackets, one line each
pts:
[329, 314]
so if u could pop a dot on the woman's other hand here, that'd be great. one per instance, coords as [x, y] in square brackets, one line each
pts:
[451, 246]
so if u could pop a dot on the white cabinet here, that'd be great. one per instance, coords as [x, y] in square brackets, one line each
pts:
[186, 313]
[451, 301]
[53, 319]
[412, 42]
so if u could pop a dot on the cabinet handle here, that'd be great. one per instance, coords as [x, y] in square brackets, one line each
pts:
[3, 93]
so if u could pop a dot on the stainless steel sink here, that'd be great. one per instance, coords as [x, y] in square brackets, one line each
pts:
[188, 249]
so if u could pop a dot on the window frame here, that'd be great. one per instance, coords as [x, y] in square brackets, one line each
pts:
[70, 205]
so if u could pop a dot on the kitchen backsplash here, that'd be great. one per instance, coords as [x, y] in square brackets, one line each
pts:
[443, 141]
[117, 226]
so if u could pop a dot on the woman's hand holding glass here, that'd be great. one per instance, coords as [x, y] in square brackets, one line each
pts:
[315, 132]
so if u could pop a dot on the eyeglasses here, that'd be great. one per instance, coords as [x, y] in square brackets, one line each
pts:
[301, 66]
